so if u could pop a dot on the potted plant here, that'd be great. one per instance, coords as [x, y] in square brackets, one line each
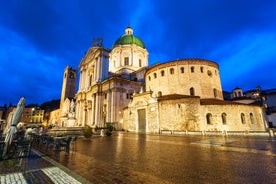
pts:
[87, 132]
[109, 129]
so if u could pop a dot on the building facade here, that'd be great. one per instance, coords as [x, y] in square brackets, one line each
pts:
[65, 116]
[117, 86]
[186, 96]
[265, 98]
[30, 115]
[108, 79]
[68, 88]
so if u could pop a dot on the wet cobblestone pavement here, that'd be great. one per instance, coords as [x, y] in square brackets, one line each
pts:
[36, 169]
[34, 162]
[140, 158]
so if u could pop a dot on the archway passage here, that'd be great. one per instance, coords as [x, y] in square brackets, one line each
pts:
[142, 120]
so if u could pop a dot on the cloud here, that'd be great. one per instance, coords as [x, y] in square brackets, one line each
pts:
[40, 38]
[197, 27]
[27, 71]
[246, 59]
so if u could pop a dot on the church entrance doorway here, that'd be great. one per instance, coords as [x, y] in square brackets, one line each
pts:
[142, 120]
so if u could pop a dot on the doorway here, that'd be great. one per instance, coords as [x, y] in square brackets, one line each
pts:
[142, 120]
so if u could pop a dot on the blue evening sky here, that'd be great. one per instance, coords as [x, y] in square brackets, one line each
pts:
[39, 38]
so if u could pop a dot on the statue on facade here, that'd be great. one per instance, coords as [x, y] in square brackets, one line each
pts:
[72, 106]
[97, 42]
[71, 114]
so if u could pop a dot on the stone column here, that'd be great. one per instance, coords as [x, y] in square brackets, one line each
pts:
[97, 110]
[109, 109]
[80, 81]
[113, 108]
[80, 114]
[86, 80]
[100, 66]
[84, 114]
[77, 110]
[89, 117]
[94, 109]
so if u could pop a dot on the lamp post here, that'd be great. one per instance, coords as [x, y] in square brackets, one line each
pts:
[32, 116]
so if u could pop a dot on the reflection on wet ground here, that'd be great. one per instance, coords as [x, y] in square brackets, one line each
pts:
[141, 158]
[33, 162]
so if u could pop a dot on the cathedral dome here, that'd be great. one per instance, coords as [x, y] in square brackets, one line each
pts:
[128, 38]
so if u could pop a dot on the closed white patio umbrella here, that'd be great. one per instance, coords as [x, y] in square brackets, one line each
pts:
[14, 120]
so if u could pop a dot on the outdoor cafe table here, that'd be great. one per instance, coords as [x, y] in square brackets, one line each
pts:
[18, 148]
[58, 141]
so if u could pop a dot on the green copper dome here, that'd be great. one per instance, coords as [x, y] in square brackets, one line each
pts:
[128, 39]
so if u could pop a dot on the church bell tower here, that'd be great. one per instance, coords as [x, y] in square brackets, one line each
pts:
[69, 84]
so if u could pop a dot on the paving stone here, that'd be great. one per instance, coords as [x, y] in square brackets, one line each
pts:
[57, 175]
[164, 159]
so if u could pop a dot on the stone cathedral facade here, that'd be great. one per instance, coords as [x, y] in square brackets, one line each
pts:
[117, 86]
[186, 96]
[108, 80]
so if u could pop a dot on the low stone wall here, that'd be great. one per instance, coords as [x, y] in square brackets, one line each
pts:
[224, 133]
[272, 132]
[73, 131]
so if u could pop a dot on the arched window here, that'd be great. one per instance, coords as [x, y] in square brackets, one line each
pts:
[209, 73]
[192, 91]
[182, 69]
[252, 118]
[223, 118]
[140, 62]
[90, 80]
[243, 118]
[149, 78]
[155, 75]
[71, 75]
[171, 71]
[126, 59]
[162, 73]
[114, 63]
[201, 69]
[209, 119]
[192, 69]
[239, 93]
[159, 94]
[215, 92]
